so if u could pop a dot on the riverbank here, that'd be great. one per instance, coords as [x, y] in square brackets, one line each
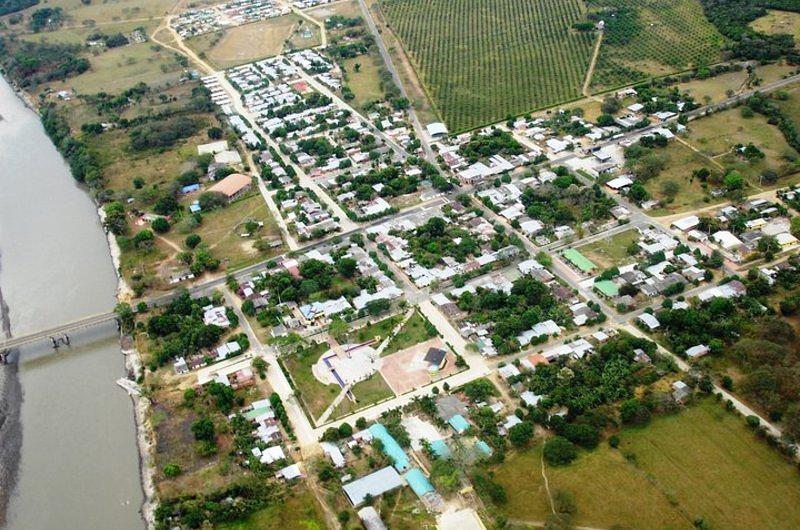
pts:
[94, 462]
[145, 437]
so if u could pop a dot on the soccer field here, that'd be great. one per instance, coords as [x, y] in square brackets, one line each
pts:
[483, 60]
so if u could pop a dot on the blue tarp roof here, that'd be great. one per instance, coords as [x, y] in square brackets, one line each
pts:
[458, 423]
[439, 447]
[419, 482]
[390, 446]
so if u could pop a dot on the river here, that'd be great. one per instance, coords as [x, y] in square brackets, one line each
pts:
[78, 467]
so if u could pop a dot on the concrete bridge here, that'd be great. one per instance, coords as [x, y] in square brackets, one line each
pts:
[58, 336]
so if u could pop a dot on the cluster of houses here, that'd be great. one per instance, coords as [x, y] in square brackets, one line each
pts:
[660, 265]
[213, 18]
[736, 229]
[217, 316]
[306, 215]
[308, 318]
[394, 237]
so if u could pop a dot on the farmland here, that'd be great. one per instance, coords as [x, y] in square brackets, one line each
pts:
[649, 38]
[662, 484]
[481, 61]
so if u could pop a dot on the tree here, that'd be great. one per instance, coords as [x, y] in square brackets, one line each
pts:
[223, 396]
[633, 412]
[734, 181]
[610, 105]
[347, 267]
[605, 120]
[160, 225]
[125, 315]
[203, 430]
[260, 366]
[338, 328]
[670, 189]
[559, 451]
[172, 470]
[192, 240]
[520, 434]
[215, 133]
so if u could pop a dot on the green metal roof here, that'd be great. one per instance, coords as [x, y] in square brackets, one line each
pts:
[579, 260]
[607, 287]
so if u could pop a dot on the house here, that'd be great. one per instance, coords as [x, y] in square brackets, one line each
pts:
[436, 359]
[373, 485]
[530, 399]
[180, 366]
[216, 316]
[212, 148]
[333, 452]
[579, 260]
[697, 351]
[680, 391]
[686, 224]
[270, 454]
[508, 371]
[437, 130]
[233, 186]
[458, 423]
[726, 240]
[649, 321]
[619, 183]
[371, 519]
[290, 472]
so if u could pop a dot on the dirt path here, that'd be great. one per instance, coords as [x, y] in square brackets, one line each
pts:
[592, 64]
[547, 488]
[696, 150]
[330, 517]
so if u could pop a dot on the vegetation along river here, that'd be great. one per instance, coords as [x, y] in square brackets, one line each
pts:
[68, 455]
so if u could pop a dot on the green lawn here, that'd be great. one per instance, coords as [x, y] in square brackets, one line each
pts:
[413, 332]
[366, 393]
[703, 462]
[380, 329]
[298, 510]
[315, 396]
[718, 134]
[682, 161]
[611, 252]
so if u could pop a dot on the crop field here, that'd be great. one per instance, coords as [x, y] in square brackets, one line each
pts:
[703, 462]
[646, 38]
[483, 60]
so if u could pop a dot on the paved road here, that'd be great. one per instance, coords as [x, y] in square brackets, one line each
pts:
[420, 131]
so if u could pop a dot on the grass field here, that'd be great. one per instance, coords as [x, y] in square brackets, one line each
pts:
[778, 22]
[380, 329]
[715, 89]
[365, 83]
[221, 231]
[106, 11]
[366, 393]
[702, 462]
[315, 396]
[412, 332]
[791, 106]
[483, 60]
[348, 9]
[120, 68]
[716, 136]
[247, 43]
[298, 510]
[691, 195]
[647, 38]
[611, 252]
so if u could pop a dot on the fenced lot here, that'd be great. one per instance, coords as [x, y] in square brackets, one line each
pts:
[483, 60]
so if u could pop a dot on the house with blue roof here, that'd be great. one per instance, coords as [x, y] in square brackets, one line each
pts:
[458, 423]
[390, 447]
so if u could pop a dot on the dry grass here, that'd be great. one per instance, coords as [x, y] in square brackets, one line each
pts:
[778, 22]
